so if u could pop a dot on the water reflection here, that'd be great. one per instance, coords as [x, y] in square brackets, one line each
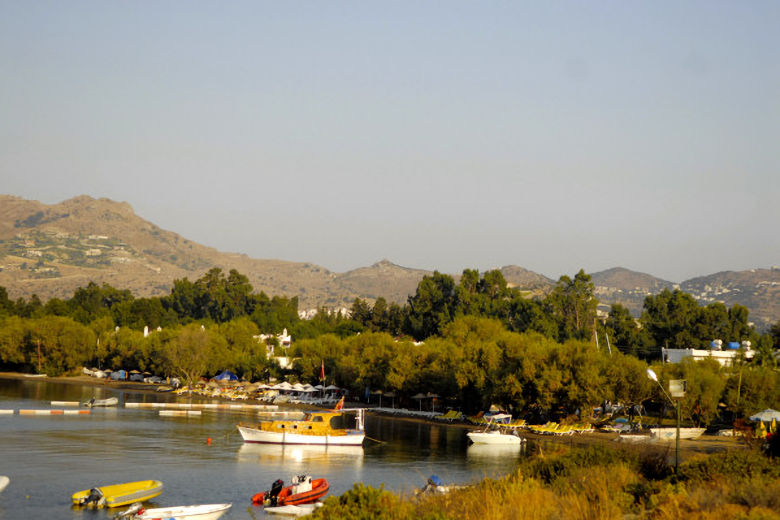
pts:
[273, 453]
[495, 451]
[50, 457]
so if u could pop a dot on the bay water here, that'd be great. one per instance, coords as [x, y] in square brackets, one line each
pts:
[49, 457]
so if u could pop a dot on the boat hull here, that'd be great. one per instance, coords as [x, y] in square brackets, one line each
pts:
[294, 511]
[196, 512]
[256, 435]
[117, 495]
[287, 496]
[111, 401]
[494, 438]
[671, 433]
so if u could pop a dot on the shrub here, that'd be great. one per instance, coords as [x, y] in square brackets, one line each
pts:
[737, 465]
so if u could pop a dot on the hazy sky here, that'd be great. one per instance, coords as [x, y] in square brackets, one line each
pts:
[439, 135]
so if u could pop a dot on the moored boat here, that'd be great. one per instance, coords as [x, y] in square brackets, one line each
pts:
[4, 481]
[116, 495]
[293, 511]
[111, 401]
[302, 490]
[671, 433]
[331, 428]
[495, 437]
[194, 512]
[494, 433]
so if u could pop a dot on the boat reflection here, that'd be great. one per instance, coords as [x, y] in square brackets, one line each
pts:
[251, 452]
[495, 451]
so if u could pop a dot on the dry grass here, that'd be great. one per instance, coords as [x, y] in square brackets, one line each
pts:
[590, 484]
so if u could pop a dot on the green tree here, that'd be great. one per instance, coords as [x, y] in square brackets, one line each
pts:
[573, 304]
[65, 345]
[431, 307]
[774, 334]
[670, 318]
[191, 353]
[13, 340]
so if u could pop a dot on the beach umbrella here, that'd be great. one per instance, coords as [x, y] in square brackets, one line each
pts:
[433, 397]
[766, 416]
[419, 397]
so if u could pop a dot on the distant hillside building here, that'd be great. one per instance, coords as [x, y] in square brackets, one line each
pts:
[724, 357]
[284, 340]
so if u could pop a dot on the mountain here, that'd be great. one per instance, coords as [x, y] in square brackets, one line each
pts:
[626, 287]
[529, 281]
[51, 250]
[756, 289]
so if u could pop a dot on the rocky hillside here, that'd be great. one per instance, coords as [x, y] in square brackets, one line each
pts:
[51, 250]
[629, 288]
[756, 289]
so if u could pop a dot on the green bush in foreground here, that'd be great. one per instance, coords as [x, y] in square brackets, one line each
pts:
[596, 482]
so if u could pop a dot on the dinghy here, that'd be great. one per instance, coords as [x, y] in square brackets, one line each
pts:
[117, 495]
[4, 481]
[111, 401]
[303, 490]
[293, 511]
[195, 512]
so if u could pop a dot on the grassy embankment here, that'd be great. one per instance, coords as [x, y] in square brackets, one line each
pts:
[594, 482]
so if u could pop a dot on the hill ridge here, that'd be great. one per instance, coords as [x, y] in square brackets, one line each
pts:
[52, 249]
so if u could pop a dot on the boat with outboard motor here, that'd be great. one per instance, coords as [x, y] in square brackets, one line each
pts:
[330, 428]
[302, 490]
[111, 401]
[116, 495]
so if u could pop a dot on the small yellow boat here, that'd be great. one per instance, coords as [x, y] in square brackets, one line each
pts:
[117, 495]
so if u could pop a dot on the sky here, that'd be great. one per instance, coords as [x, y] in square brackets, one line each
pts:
[438, 135]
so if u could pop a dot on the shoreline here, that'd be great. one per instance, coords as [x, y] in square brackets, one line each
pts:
[688, 447]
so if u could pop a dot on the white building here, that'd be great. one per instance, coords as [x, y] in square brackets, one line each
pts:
[724, 357]
[284, 340]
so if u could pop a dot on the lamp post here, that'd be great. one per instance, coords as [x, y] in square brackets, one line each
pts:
[651, 374]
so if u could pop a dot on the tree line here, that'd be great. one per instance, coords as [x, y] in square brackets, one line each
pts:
[476, 342]
[670, 318]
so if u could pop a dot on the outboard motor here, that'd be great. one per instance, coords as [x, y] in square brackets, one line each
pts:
[95, 498]
[271, 496]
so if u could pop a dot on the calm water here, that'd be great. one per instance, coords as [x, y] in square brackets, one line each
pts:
[48, 458]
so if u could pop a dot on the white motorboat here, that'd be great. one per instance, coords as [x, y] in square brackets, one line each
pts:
[4, 481]
[670, 434]
[493, 433]
[111, 401]
[495, 437]
[194, 512]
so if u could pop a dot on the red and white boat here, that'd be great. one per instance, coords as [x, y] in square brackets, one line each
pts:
[303, 490]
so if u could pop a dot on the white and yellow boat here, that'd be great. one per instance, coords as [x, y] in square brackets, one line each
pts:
[117, 495]
[327, 428]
